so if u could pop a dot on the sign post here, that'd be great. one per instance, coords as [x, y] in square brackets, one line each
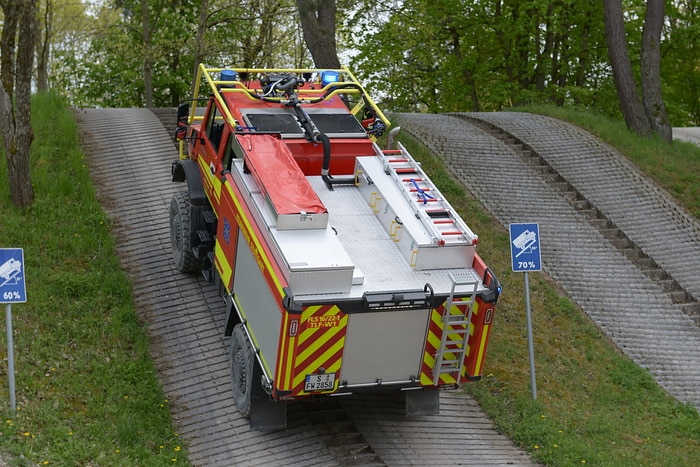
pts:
[525, 257]
[12, 290]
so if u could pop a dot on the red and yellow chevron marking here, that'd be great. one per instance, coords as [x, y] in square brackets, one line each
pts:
[435, 330]
[318, 343]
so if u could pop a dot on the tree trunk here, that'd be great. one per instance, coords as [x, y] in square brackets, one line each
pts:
[630, 104]
[43, 47]
[651, 70]
[12, 11]
[147, 55]
[15, 96]
[318, 23]
[466, 72]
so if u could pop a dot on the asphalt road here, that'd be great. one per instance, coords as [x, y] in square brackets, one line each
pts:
[691, 134]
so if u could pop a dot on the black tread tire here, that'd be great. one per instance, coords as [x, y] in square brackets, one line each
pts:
[241, 362]
[180, 234]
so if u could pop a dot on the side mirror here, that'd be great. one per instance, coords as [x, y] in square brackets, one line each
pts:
[180, 132]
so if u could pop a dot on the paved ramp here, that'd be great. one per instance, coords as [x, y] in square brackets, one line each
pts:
[632, 308]
[129, 154]
[689, 134]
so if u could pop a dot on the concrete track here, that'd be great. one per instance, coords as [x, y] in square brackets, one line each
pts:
[688, 134]
[129, 153]
[653, 323]
[615, 278]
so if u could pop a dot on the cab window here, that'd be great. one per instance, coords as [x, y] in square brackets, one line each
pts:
[215, 127]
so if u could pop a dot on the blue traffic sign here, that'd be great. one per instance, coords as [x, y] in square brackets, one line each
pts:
[525, 247]
[12, 287]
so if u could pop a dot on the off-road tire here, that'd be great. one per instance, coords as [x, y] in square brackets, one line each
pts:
[181, 233]
[241, 362]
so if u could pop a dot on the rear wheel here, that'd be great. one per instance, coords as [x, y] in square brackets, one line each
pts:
[241, 362]
[181, 233]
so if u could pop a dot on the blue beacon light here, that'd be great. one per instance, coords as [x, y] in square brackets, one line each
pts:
[328, 77]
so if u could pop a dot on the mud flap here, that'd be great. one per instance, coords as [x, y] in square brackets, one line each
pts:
[422, 403]
[265, 413]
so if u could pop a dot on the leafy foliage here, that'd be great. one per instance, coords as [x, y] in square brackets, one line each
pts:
[418, 55]
[446, 55]
[104, 66]
[681, 62]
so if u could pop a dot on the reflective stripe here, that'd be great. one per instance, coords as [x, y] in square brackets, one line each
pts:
[222, 264]
[482, 348]
[259, 252]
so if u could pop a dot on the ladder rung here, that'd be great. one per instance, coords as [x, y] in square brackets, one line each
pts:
[452, 232]
[209, 216]
[459, 342]
[451, 364]
[388, 152]
[462, 322]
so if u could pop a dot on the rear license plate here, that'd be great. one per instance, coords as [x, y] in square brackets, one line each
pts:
[319, 382]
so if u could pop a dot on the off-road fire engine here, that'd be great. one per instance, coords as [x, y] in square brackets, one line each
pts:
[342, 266]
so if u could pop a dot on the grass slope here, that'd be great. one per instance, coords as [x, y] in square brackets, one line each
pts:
[87, 392]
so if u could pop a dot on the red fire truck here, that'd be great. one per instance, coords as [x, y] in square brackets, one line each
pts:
[343, 267]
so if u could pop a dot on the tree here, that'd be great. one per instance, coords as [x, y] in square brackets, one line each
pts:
[654, 105]
[16, 68]
[681, 62]
[319, 26]
[645, 115]
[630, 103]
[146, 37]
[43, 45]
[455, 55]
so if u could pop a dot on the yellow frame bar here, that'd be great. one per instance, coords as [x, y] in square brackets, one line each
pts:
[206, 73]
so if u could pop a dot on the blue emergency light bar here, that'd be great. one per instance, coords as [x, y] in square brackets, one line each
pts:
[328, 77]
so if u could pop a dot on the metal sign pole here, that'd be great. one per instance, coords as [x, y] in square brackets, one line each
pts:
[530, 345]
[12, 290]
[525, 257]
[10, 356]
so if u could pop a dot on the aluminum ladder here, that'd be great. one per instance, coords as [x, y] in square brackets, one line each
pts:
[436, 214]
[455, 326]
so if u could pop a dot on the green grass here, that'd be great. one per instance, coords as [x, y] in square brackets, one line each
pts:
[594, 406]
[87, 392]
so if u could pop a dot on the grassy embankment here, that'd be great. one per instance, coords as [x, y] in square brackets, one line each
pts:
[87, 392]
[594, 405]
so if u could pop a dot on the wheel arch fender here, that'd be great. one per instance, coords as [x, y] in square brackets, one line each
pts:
[186, 170]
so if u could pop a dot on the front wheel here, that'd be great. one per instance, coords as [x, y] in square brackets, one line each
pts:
[181, 233]
[241, 362]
